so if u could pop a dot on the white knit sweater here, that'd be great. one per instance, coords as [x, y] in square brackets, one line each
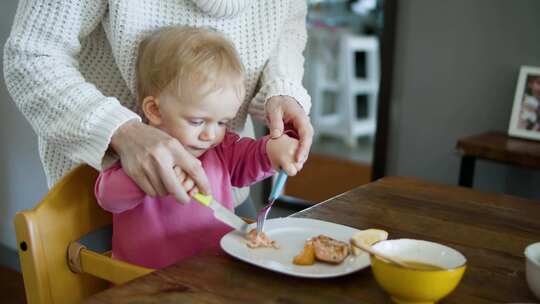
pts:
[69, 64]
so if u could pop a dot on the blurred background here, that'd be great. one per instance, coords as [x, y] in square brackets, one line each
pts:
[342, 76]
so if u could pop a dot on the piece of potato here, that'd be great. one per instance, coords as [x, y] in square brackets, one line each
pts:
[306, 256]
[368, 237]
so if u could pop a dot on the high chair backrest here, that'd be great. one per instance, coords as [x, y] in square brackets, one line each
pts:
[68, 212]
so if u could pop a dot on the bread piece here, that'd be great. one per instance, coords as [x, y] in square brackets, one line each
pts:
[330, 250]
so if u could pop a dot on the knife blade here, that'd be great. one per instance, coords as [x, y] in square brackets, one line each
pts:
[221, 213]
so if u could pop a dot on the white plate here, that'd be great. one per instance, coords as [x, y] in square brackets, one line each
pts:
[291, 234]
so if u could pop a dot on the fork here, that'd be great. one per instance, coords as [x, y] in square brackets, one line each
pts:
[274, 194]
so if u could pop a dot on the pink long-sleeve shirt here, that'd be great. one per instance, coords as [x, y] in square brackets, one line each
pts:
[156, 232]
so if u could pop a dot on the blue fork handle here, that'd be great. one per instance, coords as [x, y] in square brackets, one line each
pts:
[278, 186]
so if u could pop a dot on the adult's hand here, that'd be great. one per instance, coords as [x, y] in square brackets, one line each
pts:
[281, 110]
[152, 158]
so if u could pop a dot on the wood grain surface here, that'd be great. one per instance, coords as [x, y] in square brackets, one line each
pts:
[498, 146]
[491, 230]
[331, 175]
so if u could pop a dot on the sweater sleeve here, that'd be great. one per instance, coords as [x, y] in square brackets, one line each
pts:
[245, 158]
[284, 70]
[116, 192]
[42, 76]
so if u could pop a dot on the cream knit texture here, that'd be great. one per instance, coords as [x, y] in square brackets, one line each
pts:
[70, 65]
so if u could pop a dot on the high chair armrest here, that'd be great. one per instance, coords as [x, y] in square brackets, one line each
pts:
[83, 260]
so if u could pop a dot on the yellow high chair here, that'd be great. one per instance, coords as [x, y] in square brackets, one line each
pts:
[56, 267]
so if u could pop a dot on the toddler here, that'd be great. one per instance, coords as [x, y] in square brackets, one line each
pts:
[190, 85]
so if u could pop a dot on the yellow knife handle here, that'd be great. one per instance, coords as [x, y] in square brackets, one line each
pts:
[203, 199]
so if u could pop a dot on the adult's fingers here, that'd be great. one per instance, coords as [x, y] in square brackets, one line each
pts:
[193, 168]
[170, 180]
[290, 169]
[298, 166]
[179, 173]
[193, 191]
[154, 179]
[142, 181]
[275, 121]
[305, 134]
[188, 184]
[196, 172]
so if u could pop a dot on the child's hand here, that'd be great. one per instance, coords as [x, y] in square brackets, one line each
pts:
[186, 182]
[281, 152]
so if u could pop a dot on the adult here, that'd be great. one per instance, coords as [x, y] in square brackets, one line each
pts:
[70, 67]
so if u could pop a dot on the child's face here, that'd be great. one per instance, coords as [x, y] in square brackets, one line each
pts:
[200, 124]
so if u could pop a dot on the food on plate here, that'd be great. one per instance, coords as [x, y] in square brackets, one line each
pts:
[258, 240]
[367, 237]
[330, 250]
[322, 248]
[307, 255]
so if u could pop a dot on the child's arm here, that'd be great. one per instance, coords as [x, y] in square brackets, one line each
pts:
[245, 159]
[250, 160]
[116, 192]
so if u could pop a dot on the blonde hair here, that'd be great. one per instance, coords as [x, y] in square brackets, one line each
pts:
[192, 62]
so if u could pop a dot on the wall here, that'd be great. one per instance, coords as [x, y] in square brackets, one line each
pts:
[23, 181]
[456, 68]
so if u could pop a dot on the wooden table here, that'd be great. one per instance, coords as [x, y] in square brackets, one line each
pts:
[491, 230]
[495, 146]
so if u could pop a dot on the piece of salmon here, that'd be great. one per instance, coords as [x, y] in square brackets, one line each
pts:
[330, 250]
[260, 240]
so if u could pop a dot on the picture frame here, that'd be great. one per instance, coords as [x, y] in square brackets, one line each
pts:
[525, 117]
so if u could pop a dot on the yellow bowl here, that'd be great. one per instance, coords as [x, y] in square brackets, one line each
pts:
[415, 285]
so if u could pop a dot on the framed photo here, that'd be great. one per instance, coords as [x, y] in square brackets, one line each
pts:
[525, 119]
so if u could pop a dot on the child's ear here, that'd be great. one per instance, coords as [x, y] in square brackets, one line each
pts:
[150, 108]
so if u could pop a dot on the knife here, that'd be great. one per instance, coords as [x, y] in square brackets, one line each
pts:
[221, 213]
